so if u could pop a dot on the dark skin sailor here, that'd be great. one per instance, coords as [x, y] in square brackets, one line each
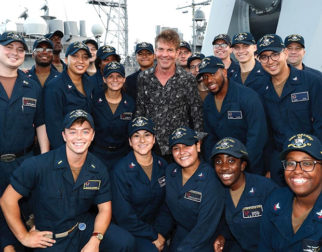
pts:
[292, 220]
[245, 194]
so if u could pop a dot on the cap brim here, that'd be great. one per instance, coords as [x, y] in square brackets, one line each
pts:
[227, 42]
[274, 49]
[243, 42]
[43, 42]
[189, 49]
[115, 71]
[77, 49]
[91, 41]
[187, 142]
[7, 42]
[231, 153]
[285, 152]
[207, 70]
[141, 128]
[192, 59]
[68, 125]
[141, 49]
[290, 42]
[58, 33]
[105, 55]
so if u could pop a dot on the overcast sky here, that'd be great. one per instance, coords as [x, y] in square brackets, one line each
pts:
[143, 15]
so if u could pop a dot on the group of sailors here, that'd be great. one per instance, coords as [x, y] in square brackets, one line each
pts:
[189, 153]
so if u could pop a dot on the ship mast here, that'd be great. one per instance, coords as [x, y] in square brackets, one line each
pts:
[193, 7]
[115, 22]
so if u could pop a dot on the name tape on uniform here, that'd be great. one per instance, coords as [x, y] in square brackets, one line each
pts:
[300, 97]
[92, 185]
[29, 102]
[193, 195]
[235, 115]
[252, 211]
[126, 116]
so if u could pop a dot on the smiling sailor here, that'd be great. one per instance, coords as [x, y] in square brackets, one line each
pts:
[292, 99]
[69, 91]
[66, 182]
[245, 195]
[194, 196]
[21, 116]
[292, 220]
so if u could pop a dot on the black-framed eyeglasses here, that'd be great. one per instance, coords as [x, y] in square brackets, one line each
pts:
[274, 57]
[40, 50]
[305, 165]
[220, 45]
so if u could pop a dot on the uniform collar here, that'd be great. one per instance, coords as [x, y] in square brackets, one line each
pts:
[87, 85]
[199, 175]
[53, 74]
[258, 69]
[282, 211]
[294, 77]
[134, 166]
[250, 189]
[22, 78]
[32, 71]
[292, 81]
[62, 163]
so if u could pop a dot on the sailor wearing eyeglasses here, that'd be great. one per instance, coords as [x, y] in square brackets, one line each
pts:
[222, 50]
[184, 53]
[43, 70]
[231, 109]
[292, 99]
[193, 64]
[292, 220]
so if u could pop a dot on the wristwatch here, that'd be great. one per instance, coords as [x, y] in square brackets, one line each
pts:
[99, 236]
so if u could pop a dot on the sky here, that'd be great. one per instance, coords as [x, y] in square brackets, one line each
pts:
[143, 15]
